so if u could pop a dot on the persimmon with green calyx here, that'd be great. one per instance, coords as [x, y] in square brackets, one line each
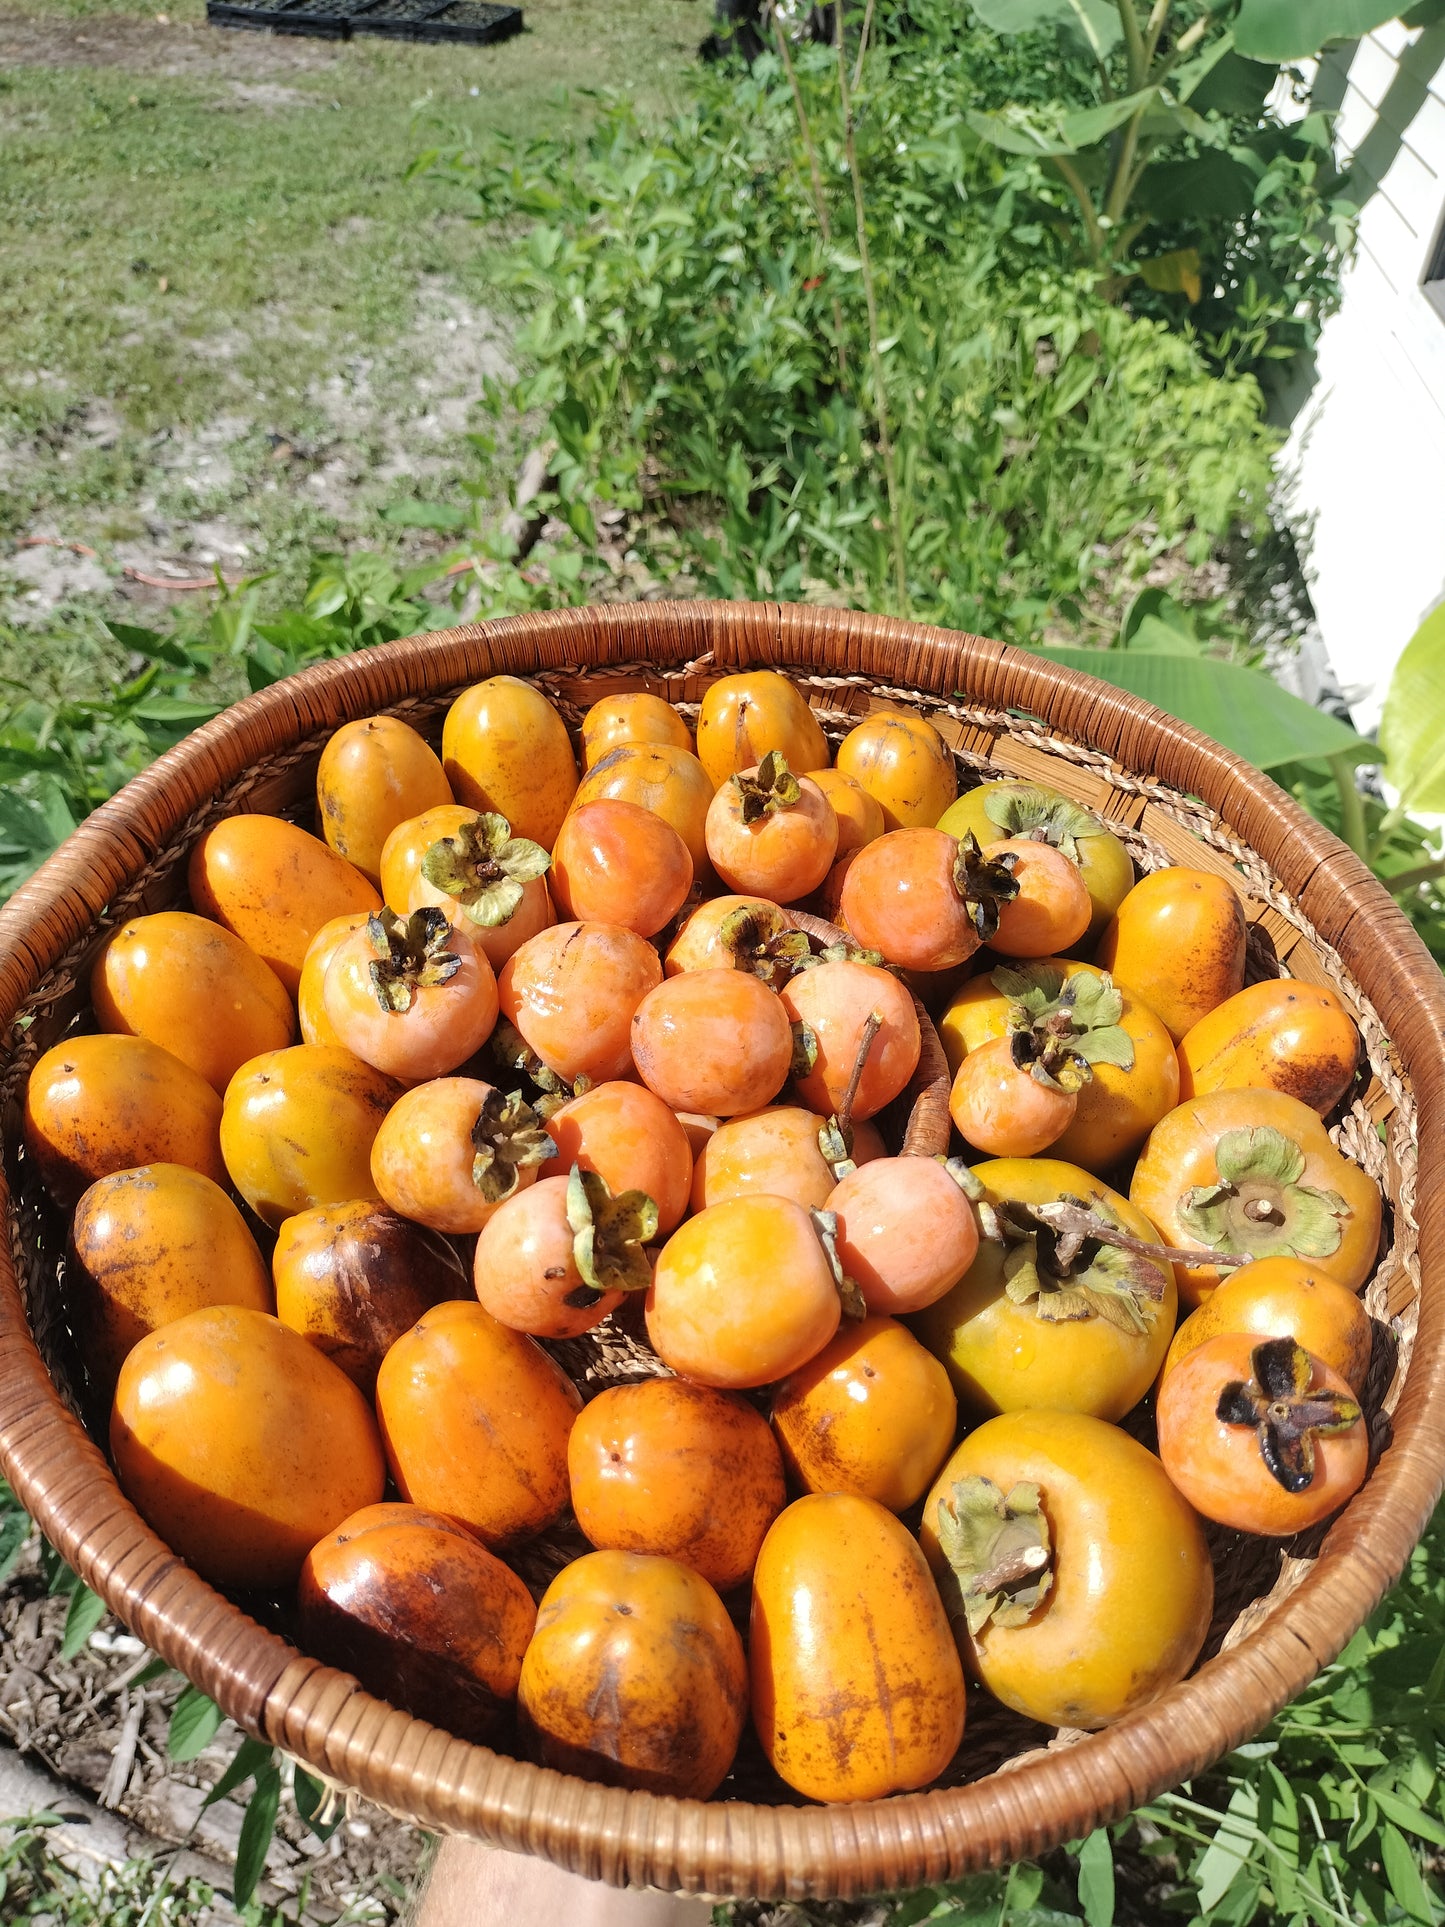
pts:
[872, 1413]
[490, 882]
[1008, 1109]
[738, 933]
[1281, 1035]
[450, 1152]
[857, 1688]
[995, 812]
[1260, 1435]
[506, 750]
[924, 900]
[1064, 1011]
[1049, 909]
[862, 1032]
[742, 717]
[298, 1127]
[556, 1258]
[1077, 1579]
[904, 765]
[467, 1617]
[1253, 1174]
[771, 832]
[637, 717]
[1060, 1308]
[742, 1294]
[615, 862]
[570, 993]
[906, 1230]
[1276, 1295]
[241, 1445]
[635, 1677]
[1177, 942]
[414, 996]
[631, 1138]
[351, 1278]
[374, 774]
[715, 1041]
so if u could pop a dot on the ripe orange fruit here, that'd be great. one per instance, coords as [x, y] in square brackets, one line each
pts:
[374, 774]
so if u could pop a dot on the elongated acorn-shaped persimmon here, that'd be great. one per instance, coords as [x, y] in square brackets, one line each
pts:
[506, 750]
[1277, 1295]
[857, 1688]
[771, 832]
[373, 774]
[659, 777]
[715, 1041]
[1177, 942]
[570, 993]
[616, 862]
[924, 900]
[298, 1127]
[451, 1152]
[490, 882]
[906, 1230]
[1280, 1035]
[631, 1138]
[412, 996]
[1009, 809]
[1077, 1579]
[904, 765]
[743, 717]
[637, 717]
[557, 1257]
[852, 1014]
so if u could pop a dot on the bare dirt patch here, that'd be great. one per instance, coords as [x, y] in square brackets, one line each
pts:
[173, 50]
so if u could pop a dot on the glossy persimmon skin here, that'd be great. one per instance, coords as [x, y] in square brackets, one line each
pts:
[524, 1269]
[475, 1419]
[1284, 1297]
[1219, 1468]
[1280, 1035]
[860, 816]
[504, 748]
[1179, 1154]
[742, 1294]
[405, 888]
[241, 1445]
[423, 1615]
[351, 1278]
[631, 1138]
[716, 1041]
[316, 1026]
[1104, 861]
[1053, 907]
[857, 1689]
[422, 1157]
[1004, 1111]
[1133, 1587]
[298, 1127]
[373, 774]
[572, 990]
[904, 765]
[680, 1470]
[637, 717]
[616, 862]
[899, 897]
[146, 1247]
[698, 945]
[190, 986]
[273, 886]
[445, 1024]
[1177, 942]
[95, 1105]
[774, 1151]
[635, 1677]
[873, 1414]
[782, 856]
[659, 777]
[743, 717]
[835, 1001]
[906, 1232]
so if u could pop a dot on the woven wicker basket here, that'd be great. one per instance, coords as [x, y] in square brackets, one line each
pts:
[1016, 1789]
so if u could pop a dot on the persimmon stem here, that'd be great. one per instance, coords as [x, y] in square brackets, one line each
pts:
[872, 1024]
[1072, 1224]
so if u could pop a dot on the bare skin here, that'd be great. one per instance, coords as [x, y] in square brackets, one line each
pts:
[477, 1886]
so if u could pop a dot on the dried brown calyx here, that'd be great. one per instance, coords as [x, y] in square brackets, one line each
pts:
[1258, 1207]
[410, 955]
[1019, 809]
[507, 1137]
[1060, 1027]
[1076, 1271]
[1285, 1413]
[510, 1051]
[763, 942]
[998, 1551]
[608, 1237]
[483, 868]
[771, 787]
[984, 883]
[825, 1223]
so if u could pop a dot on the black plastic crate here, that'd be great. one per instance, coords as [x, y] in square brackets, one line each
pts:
[474, 21]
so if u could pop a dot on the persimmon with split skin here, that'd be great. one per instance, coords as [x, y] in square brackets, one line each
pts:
[571, 992]
[777, 1151]
[298, 1127]
[904, 765]
[771, 832]
[616, 862]
[923, 899]
[637, 717]
[316, 1026]
[670, 782]
[716, 1041]
[854, 1012]
[412, 996]
[631, 1138]
[491, 883]
[680, 1470]
[450, 1152]
[374, 774]
[743, 717]
[1275, 1295]
[1280, 1035]
[1006, 810]
[906, 1231]
[1177, 942]
[557, 1257]
[506, 750]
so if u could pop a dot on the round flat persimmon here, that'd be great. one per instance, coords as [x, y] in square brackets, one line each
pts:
[679, 1470]
[194, 989]
[924, 900]
[616, 862]
[1281, 1035]
[1051, 908]
[1007, 1110]
[743, 717]
[450, 1152]
[467, 1617]
[298, 1127]
[774, 1151]
[906, 1232]
[407, 845]
[904, 765]
[637, 717]
[670, 782]
[1274, 1296]
[557, 1257]
[488, 881]
[771, 832]
[274, 885]
[505, 749]
[316, 1026]
[631, 1138]
[838, 1003]
[1177, 942]
[716, 1041]
[708, 940]
[374, 774]
[241, 1445]
[413, 996]
[571, 993]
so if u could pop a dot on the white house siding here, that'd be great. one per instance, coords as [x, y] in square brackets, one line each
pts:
[1365, 460]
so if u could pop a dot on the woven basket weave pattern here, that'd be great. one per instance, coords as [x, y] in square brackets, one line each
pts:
[1174, 797]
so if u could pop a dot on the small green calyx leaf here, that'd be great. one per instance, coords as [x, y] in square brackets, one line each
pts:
[507, 1137]
[1060, 1028]
[608, 1235]
[998, 1550]
[483, 868]
[771, 787]
[805, 1049]
[1067, 1274]
[510, 1050]
[825, 1223]
[845, 951]
[1285, 1412]
[836, 1144]
[411, 955]
[765, 944]
[1021, 810]
[1258, 1207]
[984, 883]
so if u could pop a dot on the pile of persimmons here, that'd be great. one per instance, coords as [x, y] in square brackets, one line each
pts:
[566, 1058]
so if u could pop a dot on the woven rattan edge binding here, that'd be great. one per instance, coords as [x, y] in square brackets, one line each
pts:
[324, 1718]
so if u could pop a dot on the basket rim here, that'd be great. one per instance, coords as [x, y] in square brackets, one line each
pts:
[322, 1716]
